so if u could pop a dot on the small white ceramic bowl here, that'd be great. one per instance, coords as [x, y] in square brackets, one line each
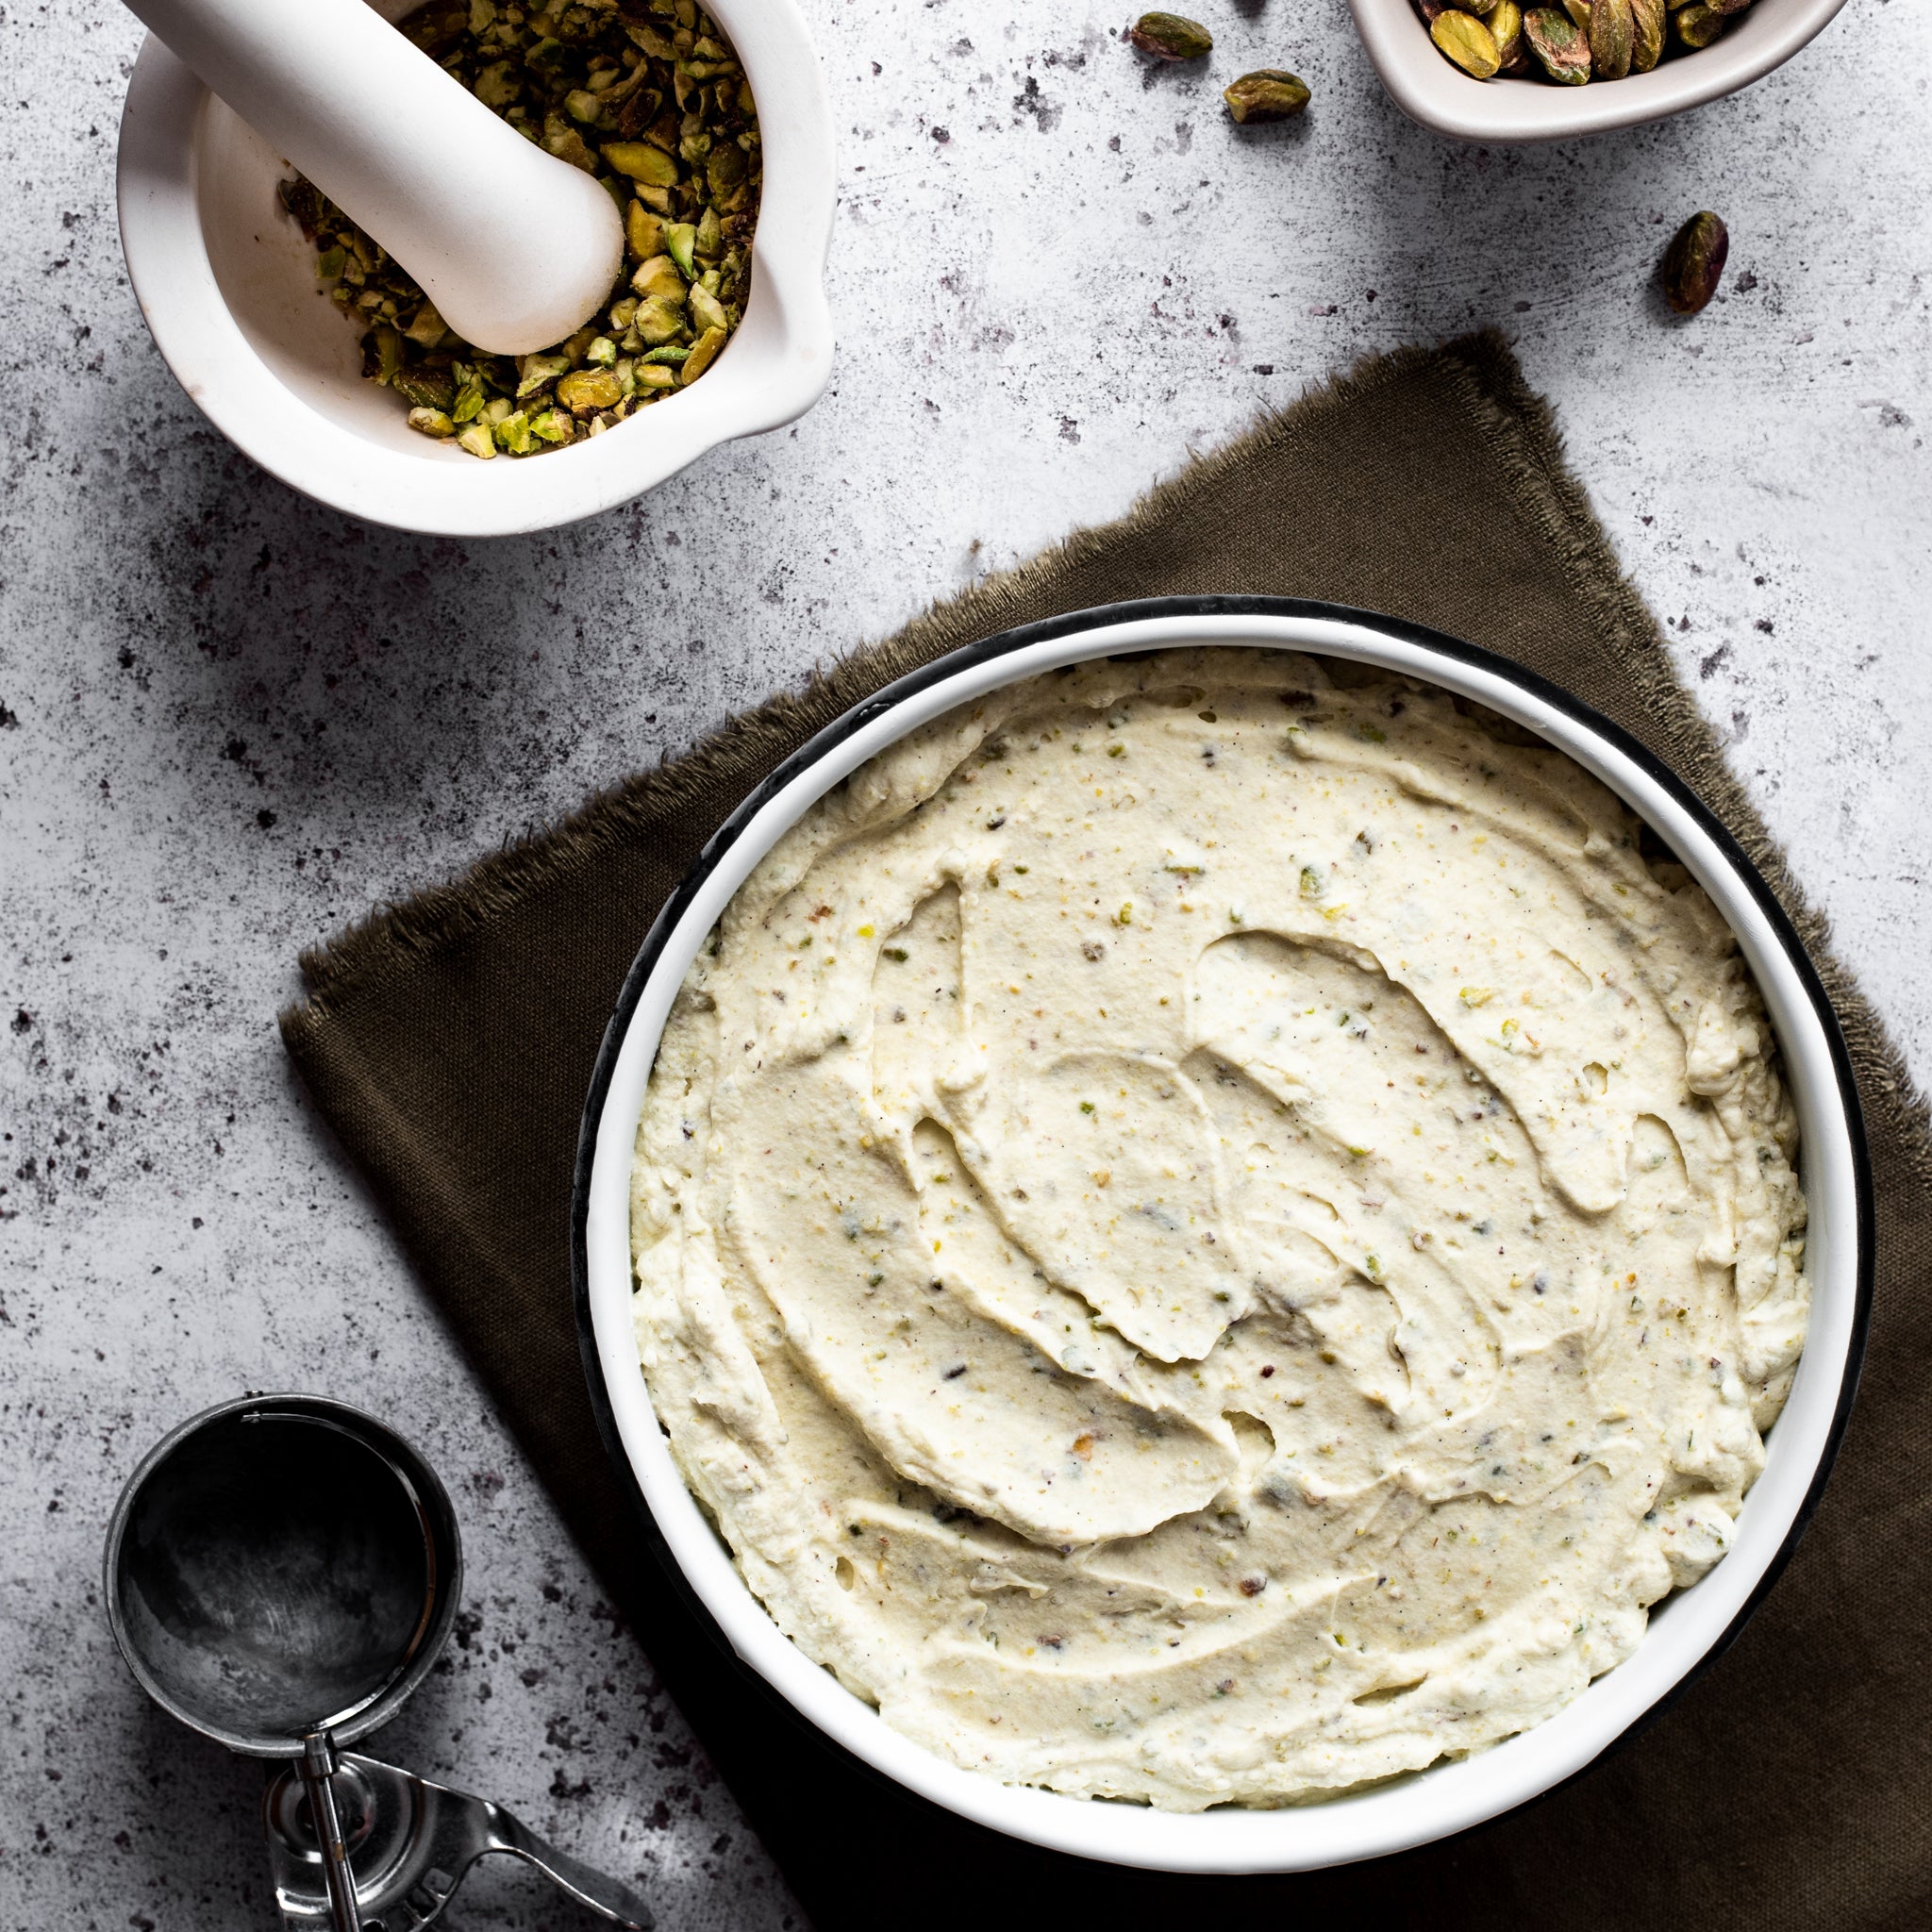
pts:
[227, 286]
[1431, 90]
[1686, 1630]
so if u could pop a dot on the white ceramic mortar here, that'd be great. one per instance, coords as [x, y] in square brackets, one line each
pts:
[227, 286]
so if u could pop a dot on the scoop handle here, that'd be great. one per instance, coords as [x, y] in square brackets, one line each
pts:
[317, 1765]
[516, 248]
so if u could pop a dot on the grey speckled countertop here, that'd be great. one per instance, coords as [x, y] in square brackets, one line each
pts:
[230, 720]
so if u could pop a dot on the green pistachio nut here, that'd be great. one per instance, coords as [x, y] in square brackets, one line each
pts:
[538, 372]
[427, 327]
[388, 354]
[641, 161]
[1560, 49]
[513, 434]
[658, 279]
[1578, 11]
[1504, 24]
[1171, 37]
[658, 322]
[704, 353]
[427, 385]
[1466, 41]
[706, 312]
[1694, 262]
[586, 391]
[431, 422]
[725, 170]
[479, 441]
[498, 85]
[1647, 46]
[644, 232]
[1699, 24]
[1612, 38]
[1270, 93]
[680, 243]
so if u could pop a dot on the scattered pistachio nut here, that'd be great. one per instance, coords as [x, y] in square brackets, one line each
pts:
[647, 96]
[1612, 38]
[1694, 262]
[1171, 37]
[1466, 41]
[1270, 93]
[1559, 47]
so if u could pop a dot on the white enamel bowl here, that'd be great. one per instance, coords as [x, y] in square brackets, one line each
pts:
[227, 288]
[1686, 1630]
[1430, 90]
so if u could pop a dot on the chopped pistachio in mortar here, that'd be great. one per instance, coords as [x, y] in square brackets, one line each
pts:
[647, 96]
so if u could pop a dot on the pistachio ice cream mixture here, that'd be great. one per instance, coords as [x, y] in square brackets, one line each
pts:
[1208, 1237]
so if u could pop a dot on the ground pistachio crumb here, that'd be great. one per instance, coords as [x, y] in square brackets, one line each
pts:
[648, 96]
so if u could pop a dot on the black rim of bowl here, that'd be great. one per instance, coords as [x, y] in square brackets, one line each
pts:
[441, 1537]
[1102, 618]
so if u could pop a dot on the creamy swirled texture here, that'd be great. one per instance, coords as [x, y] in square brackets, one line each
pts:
[1207, 1237]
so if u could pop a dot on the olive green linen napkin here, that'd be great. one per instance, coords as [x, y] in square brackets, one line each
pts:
[449, 1042]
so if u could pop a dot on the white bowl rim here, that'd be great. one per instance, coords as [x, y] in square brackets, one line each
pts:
[173, 281]
[1688, 1630]
[1435, 95]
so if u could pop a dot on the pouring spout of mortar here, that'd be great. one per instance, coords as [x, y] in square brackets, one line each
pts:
[516, 248]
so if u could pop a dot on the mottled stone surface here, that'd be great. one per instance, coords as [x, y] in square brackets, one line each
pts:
[230, 720]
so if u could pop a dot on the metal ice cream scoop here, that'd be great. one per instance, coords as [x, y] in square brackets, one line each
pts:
[282, 1572]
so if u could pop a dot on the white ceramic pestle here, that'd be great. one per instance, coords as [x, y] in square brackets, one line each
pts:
[516, 248]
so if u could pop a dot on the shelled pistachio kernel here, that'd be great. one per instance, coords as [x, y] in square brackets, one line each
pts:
[1699, 24]
[1647, 22]
[1505, 23]
[1560, 48]
[1171, 37]
[704, 352]
[1466, 41]
[1270, 93]
[1612, 38]
[1694, 262]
